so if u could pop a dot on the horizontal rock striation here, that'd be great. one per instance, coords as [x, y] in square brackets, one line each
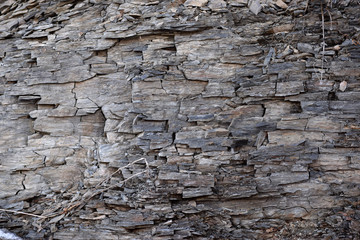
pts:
[196, 119]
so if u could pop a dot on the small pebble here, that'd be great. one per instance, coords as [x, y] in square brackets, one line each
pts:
[343, 86]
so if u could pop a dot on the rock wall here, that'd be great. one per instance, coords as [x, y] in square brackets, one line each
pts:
[197, 119]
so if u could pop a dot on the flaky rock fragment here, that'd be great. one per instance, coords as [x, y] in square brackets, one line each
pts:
[255, 6]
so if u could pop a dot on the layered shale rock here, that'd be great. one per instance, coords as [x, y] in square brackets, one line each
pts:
[196, 119]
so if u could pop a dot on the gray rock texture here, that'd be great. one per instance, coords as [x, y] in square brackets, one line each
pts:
[180, 119]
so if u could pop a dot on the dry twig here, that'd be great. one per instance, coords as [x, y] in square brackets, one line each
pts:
[323, 42]
[120, 169]
[87, 196]
[97, 190]
[23, 213]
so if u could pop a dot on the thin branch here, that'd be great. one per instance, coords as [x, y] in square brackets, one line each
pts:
[331, 21]
[323, 42]
[96, 190]
[114, 185]
[23, 213]
[119, 169]
[87, 199]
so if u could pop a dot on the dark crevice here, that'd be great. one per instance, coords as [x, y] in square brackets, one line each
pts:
[332, 96]
[295, 107]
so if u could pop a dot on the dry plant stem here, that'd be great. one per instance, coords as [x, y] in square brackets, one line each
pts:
[119, 169]
[80, 204]
[323, 42]
[98, 191]
[114, 185]
[331, 22]
[23, 213]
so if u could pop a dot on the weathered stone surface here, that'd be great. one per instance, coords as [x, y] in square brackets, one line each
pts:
[314, 106]
[240, 192]
[345, 69]
[184, 88]
[217, 5]
[62, 111]
[111, 153]
[286, 68]
[305, 47]
[186, 119]
[293, 137]
[100, 88]
[292, 124]
[103, 68]
[12, 184]
[289, 88]
[277, 109]
[54, 126]
[21, 160]
[241, 112]
[279, 178]
[324, 124]
[255, 6]
[219, 89]
[64, 95]
[332, 162]
[196, 192]
[344, 106]
[208, 72]
[196, 3]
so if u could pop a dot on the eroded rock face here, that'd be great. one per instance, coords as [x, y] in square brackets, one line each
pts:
[248, 126]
